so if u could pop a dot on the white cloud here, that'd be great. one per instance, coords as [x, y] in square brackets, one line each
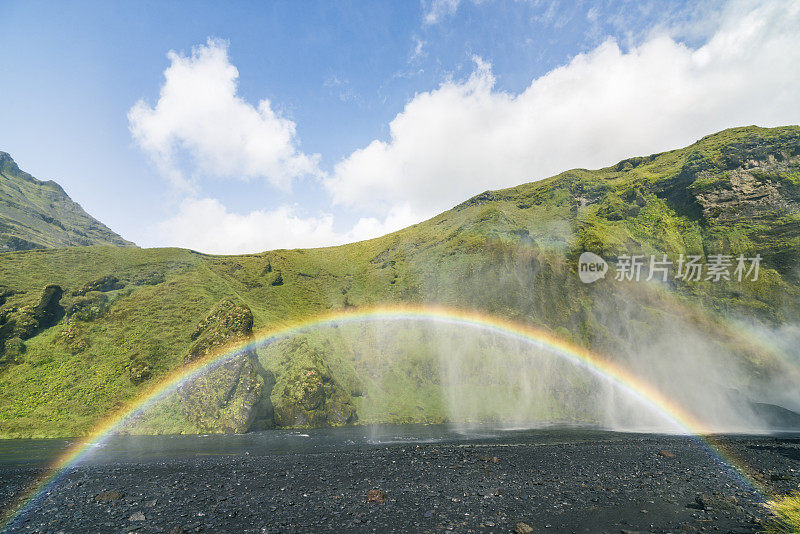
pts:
[603, 106]
[419, 50]
[436, 10]
[208, 226]
[200, 115]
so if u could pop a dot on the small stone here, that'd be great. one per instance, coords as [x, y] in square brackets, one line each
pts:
[151, 504]
[523, 528]
[108, 496]
[138, 516]
[376, 495]
[666, 454]
[717, 503]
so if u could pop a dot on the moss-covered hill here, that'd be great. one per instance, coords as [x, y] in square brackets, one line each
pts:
[85, 330]
[36, 214]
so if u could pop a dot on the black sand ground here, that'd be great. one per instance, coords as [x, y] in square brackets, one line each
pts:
[613, 485]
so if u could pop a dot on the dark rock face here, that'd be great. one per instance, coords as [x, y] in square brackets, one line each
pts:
[228, 397]
[4, 294]
[48, 312]
[752, 191]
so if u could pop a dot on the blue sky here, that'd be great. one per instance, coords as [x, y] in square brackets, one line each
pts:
[373, 115]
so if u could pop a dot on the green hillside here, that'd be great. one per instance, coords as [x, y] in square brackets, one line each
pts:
[36, 214]
[85, 330]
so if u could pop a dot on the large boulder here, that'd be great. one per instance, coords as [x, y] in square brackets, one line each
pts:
[228, 397]
[305, 393]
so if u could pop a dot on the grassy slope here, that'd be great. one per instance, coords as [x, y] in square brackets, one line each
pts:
[786, 514]
[36, 214]
[507, 252]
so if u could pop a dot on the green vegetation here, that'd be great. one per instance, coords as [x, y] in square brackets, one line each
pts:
[127, 317]
[36, 214]
[786, 512]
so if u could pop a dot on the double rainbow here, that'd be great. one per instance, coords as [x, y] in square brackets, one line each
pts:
[602, 367]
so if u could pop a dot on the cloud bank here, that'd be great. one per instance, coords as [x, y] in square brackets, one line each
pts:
[467, 136]
[200, 115]
[601, 107]
[205, 224]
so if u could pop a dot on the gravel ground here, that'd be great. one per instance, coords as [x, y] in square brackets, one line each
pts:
[618, 485]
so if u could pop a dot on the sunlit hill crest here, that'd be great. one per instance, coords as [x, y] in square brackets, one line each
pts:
[113, 321]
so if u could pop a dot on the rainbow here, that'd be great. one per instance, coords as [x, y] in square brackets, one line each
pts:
[602, 367]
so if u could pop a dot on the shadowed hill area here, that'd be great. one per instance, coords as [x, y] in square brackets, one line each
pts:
[112, 321]
[36, 214]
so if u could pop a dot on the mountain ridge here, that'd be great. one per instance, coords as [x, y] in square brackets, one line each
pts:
[40, 214]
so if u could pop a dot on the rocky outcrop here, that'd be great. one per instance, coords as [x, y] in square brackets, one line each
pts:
[227, 323]
[89, 307]
[104, 284]
[49, 311]
[228, 397]
[305, 393]
[753, 191]
[17, 325]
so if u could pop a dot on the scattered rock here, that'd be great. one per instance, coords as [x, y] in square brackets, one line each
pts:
[523, 528]
[108, 496]
[376, 495]
[718, 502]
[138, 516]
[666, 454]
